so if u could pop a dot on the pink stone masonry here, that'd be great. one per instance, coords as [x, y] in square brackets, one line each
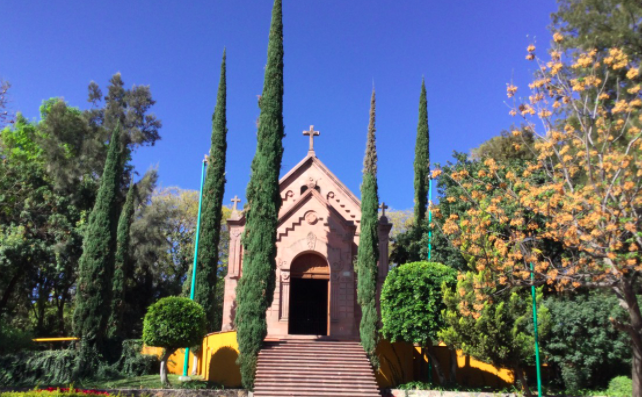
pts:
[318, 233]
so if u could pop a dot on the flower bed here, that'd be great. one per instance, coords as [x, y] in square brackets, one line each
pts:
[55, 392]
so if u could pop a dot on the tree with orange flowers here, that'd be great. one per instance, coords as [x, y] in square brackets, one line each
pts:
[582, 193]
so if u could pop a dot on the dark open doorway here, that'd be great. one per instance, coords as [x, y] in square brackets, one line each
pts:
[308, 307]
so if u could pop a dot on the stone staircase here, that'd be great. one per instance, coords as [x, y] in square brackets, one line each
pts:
[314, 368]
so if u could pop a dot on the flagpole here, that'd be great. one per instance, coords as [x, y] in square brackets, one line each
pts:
[196, 238]
[539, 375]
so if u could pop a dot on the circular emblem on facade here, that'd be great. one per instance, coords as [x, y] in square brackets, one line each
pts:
[311, 183]
[311, 217]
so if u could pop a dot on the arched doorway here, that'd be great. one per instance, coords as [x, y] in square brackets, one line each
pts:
[309, 297]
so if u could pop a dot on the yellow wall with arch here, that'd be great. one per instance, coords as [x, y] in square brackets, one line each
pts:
[400, 363]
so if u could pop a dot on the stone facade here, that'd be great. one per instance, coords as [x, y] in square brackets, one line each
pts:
[317, 239]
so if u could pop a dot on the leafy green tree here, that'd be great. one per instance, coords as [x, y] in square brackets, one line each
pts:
[600, 24]
[422, 159]
[412, 245]
[4, 113]
[583, 343]
[507, 147]
[129, 107]
[368, 253]
[42, 228]
[172, 323]
[498, 330]
[162, 249]
[255, 290]
[213, 191]
[411, 305]
[162, 246]
[96, 267]
[122, 266]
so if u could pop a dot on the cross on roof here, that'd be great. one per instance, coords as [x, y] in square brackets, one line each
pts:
[235, 200]
[383, 207]
[311, 133]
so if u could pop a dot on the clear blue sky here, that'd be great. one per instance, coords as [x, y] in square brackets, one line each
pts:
[334, 50]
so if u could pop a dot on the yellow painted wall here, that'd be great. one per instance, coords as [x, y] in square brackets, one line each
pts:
[220, 351]
[217, 359]
[175, 362]
[400, 363]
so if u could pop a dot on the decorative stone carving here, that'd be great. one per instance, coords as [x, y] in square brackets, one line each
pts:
[311, 240]
[330, 195]
[312, 183]
[285, 276]
[288, 195]
[311, 217]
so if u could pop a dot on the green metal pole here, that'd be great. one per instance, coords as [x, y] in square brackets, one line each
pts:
[539, 375]
[429, 217]
[196, 238]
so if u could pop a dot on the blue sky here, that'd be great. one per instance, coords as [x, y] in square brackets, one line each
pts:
[335, 50]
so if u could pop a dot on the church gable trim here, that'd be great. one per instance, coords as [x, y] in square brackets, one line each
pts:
[295, 222]
[312, 159]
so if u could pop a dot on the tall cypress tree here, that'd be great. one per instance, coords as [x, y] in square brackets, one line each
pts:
[256, 286]
[206, 270]
[121, 266]
[422, 160]
[368, 254]
[96, 265]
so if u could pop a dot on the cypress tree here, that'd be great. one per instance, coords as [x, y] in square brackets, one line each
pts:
[96, 264]
[213, 190]
[368, 254]
[422, 160]
[256, 286]
[121, 266]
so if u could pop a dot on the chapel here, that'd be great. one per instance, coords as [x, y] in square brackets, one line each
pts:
[317, 243]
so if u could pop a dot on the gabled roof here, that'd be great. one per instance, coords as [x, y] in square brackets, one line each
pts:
[311, 194]
[312, 159]
[309, 161]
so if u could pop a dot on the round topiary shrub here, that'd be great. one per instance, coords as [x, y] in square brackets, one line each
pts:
[412, 302]
[173, 323]
[620, 386]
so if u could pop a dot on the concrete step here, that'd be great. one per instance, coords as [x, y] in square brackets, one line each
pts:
[314, 368]
[337, 372]
[301, 393]
[307, 383]
[323, 360]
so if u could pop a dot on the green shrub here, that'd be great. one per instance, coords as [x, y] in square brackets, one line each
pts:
[620, 386]
[583, 343]
[51, 367]
[133, 363]
[173, 323]
[55, 367]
